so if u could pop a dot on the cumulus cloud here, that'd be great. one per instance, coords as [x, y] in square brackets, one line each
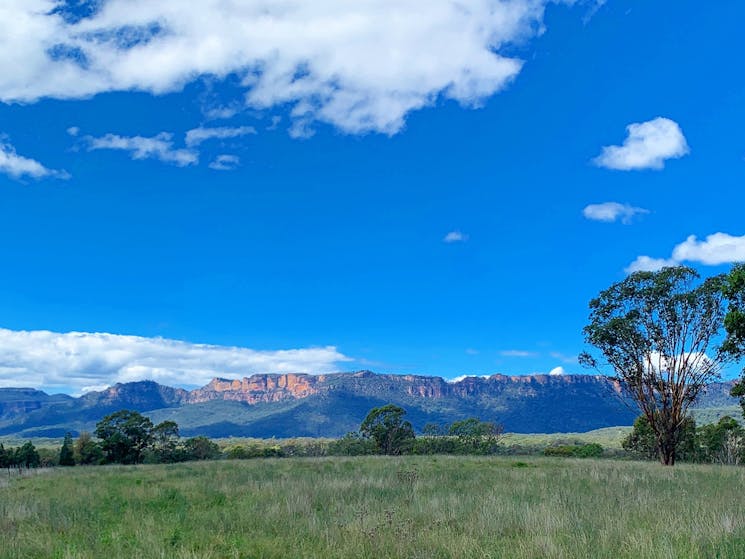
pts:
[719, 248]
[225, 162]
[18, 166]
[196, 136]
[647, 146]
[455, 237]
[612, 211]
[557, 371]
[158, 147]
[81, 360]
[360, 66]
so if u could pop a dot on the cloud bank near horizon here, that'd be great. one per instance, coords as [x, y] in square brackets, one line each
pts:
[716, 249]
[359, 66]
[83, 361]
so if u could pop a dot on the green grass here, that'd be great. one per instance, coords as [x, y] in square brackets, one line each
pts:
[428, 507]
[609, 437]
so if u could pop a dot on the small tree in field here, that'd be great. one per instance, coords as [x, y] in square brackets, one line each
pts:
[656, 329]
[66, 454]
[386, 426]
[124, 436]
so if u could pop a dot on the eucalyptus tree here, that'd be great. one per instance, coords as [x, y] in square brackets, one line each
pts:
[658, 332]
[734, 323]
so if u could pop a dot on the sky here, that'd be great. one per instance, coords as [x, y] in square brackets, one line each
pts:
[293, 186]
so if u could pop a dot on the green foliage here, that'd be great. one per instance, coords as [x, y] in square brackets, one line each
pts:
[201, 448]
[589, 450]
[722, 442]
[655, 329]
[66, 453]
[642, 441]
[27, 456]
[353, 444]
[734, 323]
[165, 444]
[386, 426]
[125, 435]
[476, 436]
[87, 451]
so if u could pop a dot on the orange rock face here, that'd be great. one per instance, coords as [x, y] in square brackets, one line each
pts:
[259, 388]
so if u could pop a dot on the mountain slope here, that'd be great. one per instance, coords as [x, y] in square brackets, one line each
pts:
[330, 405]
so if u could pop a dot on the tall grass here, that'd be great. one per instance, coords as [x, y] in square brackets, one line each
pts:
[428, 507]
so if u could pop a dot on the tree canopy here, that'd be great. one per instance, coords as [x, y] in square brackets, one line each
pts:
[387, 427]
[124, 436]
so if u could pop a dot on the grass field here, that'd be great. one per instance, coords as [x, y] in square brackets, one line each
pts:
[428, 507]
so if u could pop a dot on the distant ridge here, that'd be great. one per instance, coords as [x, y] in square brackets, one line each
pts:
[329, 405]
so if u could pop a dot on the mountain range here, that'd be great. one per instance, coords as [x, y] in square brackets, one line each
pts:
[295, 405]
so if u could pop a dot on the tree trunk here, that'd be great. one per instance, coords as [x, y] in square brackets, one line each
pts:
[667, 453]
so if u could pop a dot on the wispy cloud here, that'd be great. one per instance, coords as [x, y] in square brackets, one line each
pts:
[360, 66]
[225, 162]
[455, 237]
[647, 146]
[81, 360]
[196, 136]
[613, 211]
[517, 353]
[17, 166]
[568, 359]
[719, 248]
[158, 147]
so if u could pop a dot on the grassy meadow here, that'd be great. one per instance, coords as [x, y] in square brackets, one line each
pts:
[428, 507]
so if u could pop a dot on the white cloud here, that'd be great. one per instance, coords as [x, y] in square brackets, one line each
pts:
[18, 166]
[719, 248]
[557, 371]
[647, 146]
[82, 360]
[225, 162]
[198, 135]
[648, 264]
[359, 65]
[517, 353]
[73, 131]
[455, 237]
[158, 147]
[612, 211]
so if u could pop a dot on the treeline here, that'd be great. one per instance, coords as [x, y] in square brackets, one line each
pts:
[384, 431]
[127, 437]
[716, 443]
[25, 456]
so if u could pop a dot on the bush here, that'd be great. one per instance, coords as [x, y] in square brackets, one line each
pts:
[590, 450]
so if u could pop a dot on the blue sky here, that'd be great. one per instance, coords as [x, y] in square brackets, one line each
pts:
[409, 196]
